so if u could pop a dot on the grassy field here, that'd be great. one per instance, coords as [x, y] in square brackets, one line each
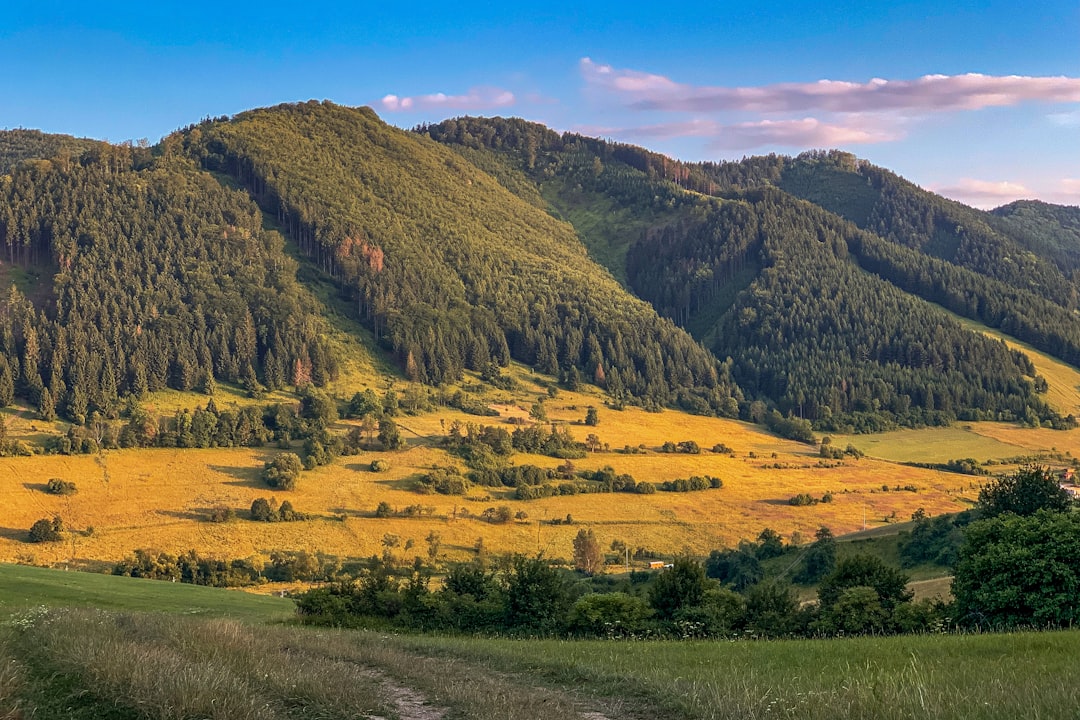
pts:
[161, 499]
[933, 445]
[23, 587]
[83, 664]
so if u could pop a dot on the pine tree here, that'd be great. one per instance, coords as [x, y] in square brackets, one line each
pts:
[47, 406]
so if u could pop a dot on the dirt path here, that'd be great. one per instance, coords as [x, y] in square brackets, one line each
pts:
[409, 704]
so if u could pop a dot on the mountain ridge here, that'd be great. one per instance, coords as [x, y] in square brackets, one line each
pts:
[803, 282]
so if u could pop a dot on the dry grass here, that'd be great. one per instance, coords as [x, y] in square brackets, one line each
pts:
[161, 498]
[89, 664]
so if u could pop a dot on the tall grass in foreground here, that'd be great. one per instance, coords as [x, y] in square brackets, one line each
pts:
[83, 664]
[156, 666]
[1028, 675]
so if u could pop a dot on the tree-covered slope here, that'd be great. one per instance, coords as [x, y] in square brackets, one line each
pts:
[897, 210]
[450, 269]
[161, 276]
[19, 145]
[1051, 231]
[772, 282]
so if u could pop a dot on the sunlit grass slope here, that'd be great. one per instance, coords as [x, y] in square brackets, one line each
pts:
[23, 587]
[161, 499]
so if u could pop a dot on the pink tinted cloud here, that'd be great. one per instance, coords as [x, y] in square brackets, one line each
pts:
[984, 193]
[972, 91]
[480, 98]
[803, 133]
[989, 194]
[1070, 188]
[800, 133]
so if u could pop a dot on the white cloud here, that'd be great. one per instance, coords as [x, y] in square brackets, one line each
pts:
[646, 91]
[985, 194]
[802, 133]
[797, 133]
[480, 98]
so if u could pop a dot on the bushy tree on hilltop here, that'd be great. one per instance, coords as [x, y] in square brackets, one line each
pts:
[1025, 492]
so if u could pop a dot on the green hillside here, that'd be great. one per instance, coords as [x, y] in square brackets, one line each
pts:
[775, 284]
[19, 145]
[448, 268]
[1050, 231]
[157, 276]
[23, 588]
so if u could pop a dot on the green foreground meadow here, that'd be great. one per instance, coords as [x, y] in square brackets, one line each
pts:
[228, 655]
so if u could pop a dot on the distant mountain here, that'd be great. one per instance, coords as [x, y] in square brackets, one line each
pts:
[798, 290]
[899, 211]
[1051, 231]
[782, 287]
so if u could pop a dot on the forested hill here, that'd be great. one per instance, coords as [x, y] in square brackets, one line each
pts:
[1052, 231]
[899, 211]
[19, 145]
[450, 269]
[152, 274]
[817, 279]
[781, 286]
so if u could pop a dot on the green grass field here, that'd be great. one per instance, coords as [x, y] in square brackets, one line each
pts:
[88, 664]
[23, 586]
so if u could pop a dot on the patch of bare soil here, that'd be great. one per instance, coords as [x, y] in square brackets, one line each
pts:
[408, 703]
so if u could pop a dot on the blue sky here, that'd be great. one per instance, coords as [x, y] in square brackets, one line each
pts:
[977, 100]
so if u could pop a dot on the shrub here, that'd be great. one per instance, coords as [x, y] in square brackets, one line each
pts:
[46, 530]
[498, 515]
[287, 513]
[446, 481]
[384, 510]
[222, 513]
[281, 473]
[56, 486]
[379, 466]
[262, 510]
[697, 482]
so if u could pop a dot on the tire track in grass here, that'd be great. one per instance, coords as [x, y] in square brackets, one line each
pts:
[408, 703]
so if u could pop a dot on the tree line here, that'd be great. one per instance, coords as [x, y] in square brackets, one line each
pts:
[1014, 559]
